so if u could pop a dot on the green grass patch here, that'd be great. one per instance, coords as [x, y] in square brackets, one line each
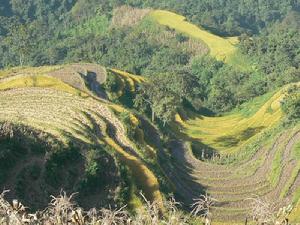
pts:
[96, 25]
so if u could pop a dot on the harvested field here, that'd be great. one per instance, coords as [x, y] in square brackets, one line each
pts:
[271, 170]
[59, 110]
[191, 176]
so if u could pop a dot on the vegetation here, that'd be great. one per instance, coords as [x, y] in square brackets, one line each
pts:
[171, 98]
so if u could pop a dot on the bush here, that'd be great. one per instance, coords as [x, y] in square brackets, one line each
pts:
[291, 104]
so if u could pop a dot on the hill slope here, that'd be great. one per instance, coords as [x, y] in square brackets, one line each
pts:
[42, 102]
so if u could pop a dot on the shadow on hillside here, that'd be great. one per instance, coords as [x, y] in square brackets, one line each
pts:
[190, 112]
[234, 140]
[178, 170]
[94, 85]
[199, 149]
[202, 151]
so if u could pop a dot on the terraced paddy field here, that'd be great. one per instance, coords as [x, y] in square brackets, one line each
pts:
[268, 173]
[221, 48]
[46, 103]
[267, 164]
[39, 99]
[229, 133]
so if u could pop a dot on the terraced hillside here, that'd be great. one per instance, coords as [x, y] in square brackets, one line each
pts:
[264, 161]
[230, 133]
[35, 98]
[261, 158]
[265, 174]
[221, 48]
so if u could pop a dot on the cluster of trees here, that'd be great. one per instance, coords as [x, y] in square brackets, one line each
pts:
[233, 17]
[204, 85]
[226, 17]
[276, 51]
[31, 39]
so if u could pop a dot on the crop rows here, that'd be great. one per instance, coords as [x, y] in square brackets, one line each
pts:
[229, 185]
[65, 116]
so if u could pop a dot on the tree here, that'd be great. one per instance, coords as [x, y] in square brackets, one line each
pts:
[162, 94]
[19, 39]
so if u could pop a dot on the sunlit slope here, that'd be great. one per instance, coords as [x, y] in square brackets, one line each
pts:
[221, 48]
[46, 103]
[230, 132]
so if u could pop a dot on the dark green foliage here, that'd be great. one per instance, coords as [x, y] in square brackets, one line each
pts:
[57, 163]
[291, 104]
[220, 87]
[130, 129]
[126, 185]
[276, 51]
[96, 172]
[162, 95]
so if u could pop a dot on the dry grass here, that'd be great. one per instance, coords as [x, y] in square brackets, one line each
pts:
[128, 16]
[43, 81]
[62, 210]
[27, 70]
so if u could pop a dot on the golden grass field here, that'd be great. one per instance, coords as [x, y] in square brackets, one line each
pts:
[39, 81]
[221, 48]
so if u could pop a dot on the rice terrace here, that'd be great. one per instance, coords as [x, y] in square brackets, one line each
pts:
[149, 112]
